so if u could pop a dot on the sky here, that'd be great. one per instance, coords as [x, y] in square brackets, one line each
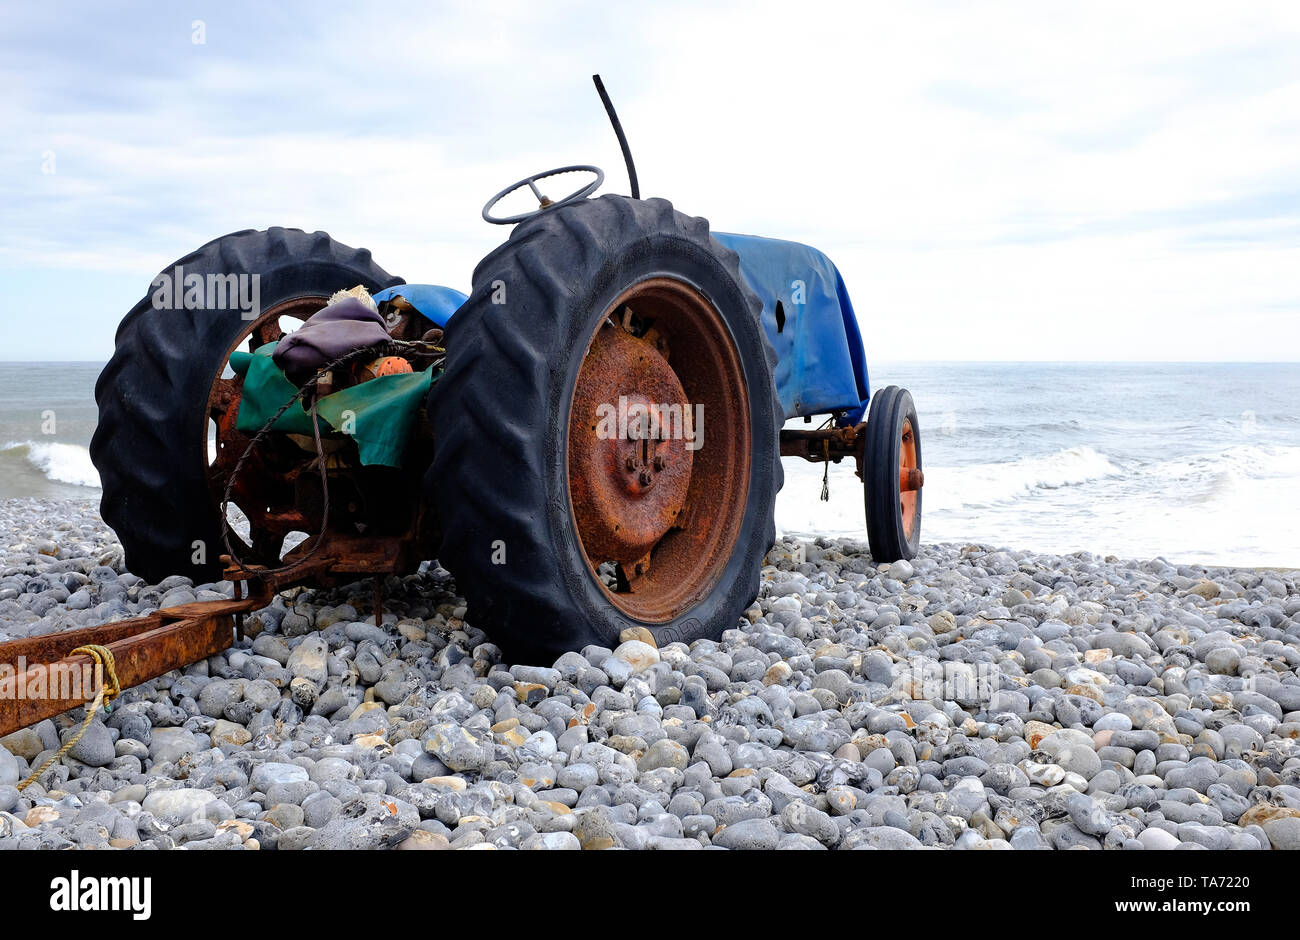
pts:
[995, 181]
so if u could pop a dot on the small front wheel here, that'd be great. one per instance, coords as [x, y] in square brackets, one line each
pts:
[892, 476]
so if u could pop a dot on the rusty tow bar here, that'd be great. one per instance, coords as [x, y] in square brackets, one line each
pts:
[41, 677]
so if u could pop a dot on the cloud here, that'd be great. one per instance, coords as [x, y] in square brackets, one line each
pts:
[995, 181]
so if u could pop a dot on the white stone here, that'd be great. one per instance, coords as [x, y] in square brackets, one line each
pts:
[640, 656]
[1157, 840]
[183, 802]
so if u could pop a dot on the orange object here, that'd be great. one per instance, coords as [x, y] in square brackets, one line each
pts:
[388, 365]
[910, 477]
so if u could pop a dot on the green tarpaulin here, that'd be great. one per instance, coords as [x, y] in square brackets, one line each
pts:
[376, 414]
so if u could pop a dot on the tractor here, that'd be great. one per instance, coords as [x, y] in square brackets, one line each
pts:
[589, 440]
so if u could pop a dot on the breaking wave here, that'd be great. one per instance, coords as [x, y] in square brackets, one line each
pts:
[62, 463]
[989, 484]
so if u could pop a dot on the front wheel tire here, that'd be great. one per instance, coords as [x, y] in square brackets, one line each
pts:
[892, 476]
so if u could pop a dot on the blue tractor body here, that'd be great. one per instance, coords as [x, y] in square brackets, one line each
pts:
[820, 363]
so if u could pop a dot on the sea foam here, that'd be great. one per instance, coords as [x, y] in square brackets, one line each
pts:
[62, 463]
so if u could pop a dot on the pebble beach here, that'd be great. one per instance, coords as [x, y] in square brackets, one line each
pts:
[977, 697]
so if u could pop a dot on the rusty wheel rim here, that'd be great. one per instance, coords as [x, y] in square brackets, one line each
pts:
[909, 478]
[657, 503]
[268, 525]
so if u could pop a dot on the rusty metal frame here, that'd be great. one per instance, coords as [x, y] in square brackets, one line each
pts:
[174, 637]
[143, 648]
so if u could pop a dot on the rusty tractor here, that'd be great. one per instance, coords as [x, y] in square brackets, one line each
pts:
[589, 440]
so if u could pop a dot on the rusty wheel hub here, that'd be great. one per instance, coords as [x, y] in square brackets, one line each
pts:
[649, 493]
[628, 454]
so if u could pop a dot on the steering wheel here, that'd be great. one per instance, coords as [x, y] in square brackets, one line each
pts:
[543, 201]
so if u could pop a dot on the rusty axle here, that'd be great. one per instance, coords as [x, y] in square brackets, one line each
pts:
[821, 444]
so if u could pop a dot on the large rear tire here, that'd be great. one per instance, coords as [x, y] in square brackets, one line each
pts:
[150, 445]
[536, 505]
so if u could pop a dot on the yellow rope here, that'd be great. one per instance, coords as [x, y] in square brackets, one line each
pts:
[109, 689]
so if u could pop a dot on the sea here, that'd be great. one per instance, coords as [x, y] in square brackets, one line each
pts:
[1195, 463]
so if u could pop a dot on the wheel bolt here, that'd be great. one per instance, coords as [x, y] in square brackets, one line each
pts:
[646, 478]
[660, 463]
[630, 463]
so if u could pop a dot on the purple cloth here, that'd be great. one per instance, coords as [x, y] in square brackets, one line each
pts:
[327, 335]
